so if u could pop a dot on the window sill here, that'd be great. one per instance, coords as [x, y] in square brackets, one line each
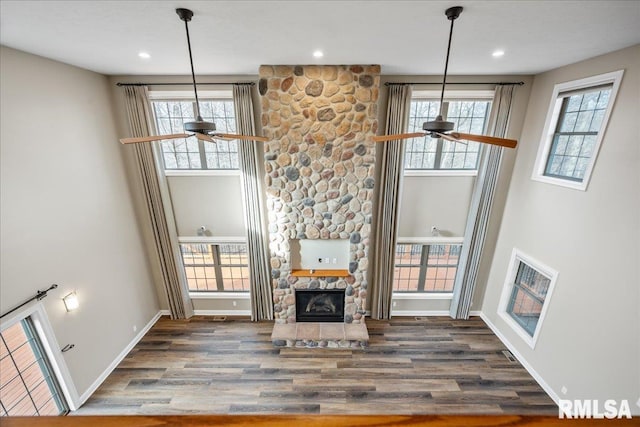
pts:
[519, 330]
[219, 295]
[422, 295]
[582, 186]
[437, 172]
[211, 240]
[431, 240]
[202, 172]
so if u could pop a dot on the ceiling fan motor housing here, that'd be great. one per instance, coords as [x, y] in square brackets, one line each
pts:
[200, 126]
[438, 125]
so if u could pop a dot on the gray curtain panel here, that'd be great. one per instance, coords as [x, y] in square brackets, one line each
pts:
[141, 124]
[480, 207]
[389, 184]
[261, 297]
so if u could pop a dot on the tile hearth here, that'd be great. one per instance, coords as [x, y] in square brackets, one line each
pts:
[320, 334]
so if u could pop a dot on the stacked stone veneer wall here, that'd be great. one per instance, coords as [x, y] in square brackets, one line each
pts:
[319, 167]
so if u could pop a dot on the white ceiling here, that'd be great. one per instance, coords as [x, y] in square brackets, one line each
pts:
[235, 37]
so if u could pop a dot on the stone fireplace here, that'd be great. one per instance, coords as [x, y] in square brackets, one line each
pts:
[319, 179]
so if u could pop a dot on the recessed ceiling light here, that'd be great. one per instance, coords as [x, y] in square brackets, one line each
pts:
[144, 55]
[318, 54]
[497, 53]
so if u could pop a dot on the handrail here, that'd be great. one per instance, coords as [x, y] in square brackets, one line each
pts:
[38, 296]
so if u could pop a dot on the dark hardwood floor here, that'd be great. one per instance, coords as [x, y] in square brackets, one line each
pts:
[435, 365]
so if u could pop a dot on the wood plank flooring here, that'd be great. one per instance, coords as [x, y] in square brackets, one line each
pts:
[311, 421]
[434, 365]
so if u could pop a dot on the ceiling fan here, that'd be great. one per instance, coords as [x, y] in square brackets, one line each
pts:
[200, 128]
[440, 128]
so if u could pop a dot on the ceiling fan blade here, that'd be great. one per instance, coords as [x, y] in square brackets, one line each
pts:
[246, 137]
[153, 138]
[203, 137]
[448, 137]
[502, 142]
[382, 138]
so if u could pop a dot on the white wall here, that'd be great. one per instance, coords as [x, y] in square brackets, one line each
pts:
[66, 211]
[441, 201]
[211, 201]
[590, 338]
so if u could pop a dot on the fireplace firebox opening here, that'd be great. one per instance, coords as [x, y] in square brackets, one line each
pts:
[319, 305]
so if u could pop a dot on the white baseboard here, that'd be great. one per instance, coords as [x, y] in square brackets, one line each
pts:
[164, 313]
[119, 358]
[522, 360]
[400, 313]
[222, 312]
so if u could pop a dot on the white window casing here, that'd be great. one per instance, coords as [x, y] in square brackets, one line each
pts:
[560, 92]
[518, 257]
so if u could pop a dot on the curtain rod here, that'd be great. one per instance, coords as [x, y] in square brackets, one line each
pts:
[456, 83]
[38, 296]
[184, 84]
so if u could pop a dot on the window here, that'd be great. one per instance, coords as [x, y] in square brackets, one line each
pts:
[574, 129]
[27, 385]
[191, 153]
[425, 268]
[526, 294]
[426, 153]
[216, 267]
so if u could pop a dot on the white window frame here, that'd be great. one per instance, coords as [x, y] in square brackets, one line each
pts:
[517, 256]
[51, 348]
[553, 114]
[426, 241]
[452, 95]
[211, 241]
[169, 95]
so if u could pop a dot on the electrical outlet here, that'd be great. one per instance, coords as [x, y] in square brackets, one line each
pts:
[326, 260]
[564, 390]
[234, 303]
[335, 260]
[394, 304]
[135, 328]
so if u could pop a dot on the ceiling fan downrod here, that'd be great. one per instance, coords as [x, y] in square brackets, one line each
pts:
[452, 14]
[199, 125]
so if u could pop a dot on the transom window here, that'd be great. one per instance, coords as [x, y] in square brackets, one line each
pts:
[216, 267]
[425, 268]
[526, 294]
[574, 129]
[27, 385]
[191, 153]
[426, 153]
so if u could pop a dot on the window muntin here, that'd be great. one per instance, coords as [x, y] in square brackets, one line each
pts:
[526, 294]
[429, 268]
[27, 384]
[191, 153]
[426, 153]
[574, 140]
[574, 128]
[527, 298]
[216, 267]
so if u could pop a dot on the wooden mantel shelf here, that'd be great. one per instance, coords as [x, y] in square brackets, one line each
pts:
[320, 273]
